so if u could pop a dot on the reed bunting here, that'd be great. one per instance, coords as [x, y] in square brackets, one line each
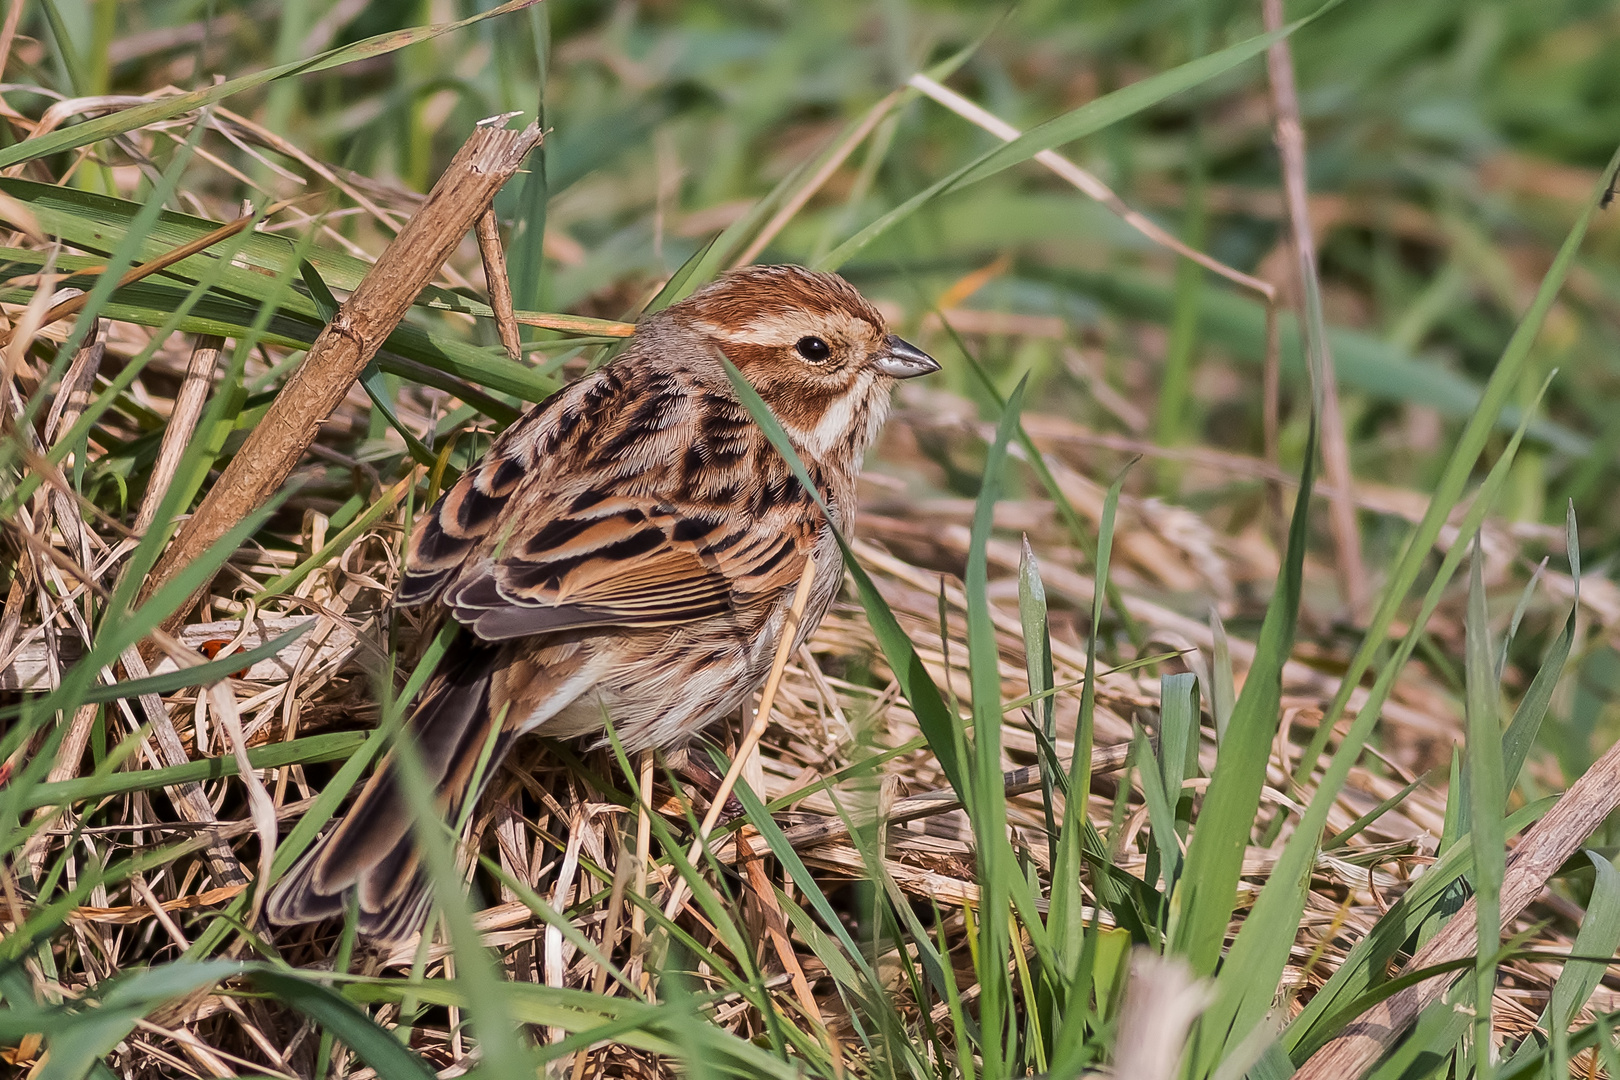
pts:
[629, 548]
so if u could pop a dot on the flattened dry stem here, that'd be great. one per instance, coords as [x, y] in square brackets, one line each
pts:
[500, 285]
[1548, 844]
[349, 342]
[188, 410]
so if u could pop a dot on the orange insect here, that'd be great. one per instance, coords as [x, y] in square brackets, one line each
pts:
[210, 649]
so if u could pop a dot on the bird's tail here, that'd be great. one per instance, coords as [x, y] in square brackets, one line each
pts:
[372, 851]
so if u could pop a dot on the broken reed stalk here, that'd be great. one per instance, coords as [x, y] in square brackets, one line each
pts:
[1351, 569]
[410, 262]
[498, 283]
[1548, 844]
[762, 719]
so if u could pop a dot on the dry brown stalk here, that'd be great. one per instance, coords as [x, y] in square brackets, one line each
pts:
[762, 719]
[500, 286]
[69, 405]
[574, 324]
[188, 408]
[776, 929]
[1351, 569]
[15, 342]
[65, 411]
[8, 33]
[1547, 845]
[74, 393]
[485, 162]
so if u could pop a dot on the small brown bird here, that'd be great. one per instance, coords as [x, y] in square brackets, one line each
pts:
[628, 548]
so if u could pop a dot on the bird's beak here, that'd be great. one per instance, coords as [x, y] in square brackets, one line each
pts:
[903, 360]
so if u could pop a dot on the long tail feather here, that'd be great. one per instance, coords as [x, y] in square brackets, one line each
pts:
[372, 851]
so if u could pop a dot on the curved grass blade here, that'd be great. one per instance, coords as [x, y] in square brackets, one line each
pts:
[202, 674]
[77, 1039]
[307, 750]
[1470, 444]
[933, 718]
[1526, 723]
[1599, 935]
[1215, 853]
[1366, 962]
[1254, 954]
[167, 108]
[1075, 124]
[371, 1043]
[988, 811]
[1484, 751]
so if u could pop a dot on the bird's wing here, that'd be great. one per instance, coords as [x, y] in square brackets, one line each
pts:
[625, 562]
[593, 528]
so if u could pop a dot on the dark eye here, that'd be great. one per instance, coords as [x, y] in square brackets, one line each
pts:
[813, 349]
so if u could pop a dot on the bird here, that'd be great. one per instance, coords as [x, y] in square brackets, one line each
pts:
[627, 549]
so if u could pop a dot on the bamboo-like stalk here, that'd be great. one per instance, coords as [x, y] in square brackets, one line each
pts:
[272, 450]
[499, 284]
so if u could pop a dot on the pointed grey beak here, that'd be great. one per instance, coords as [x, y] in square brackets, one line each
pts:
[903, 360]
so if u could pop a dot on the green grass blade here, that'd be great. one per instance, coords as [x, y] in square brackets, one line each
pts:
[1256, 955]
[307, 750]
[1363, 361]
[1161, 813]
[1179, 708]
[933, 718]
[1224, 693]
[1038, 668]
[1532, 708]
[1366, 964]
[989, 808]
[335, 1014]
[1215, 853]
[1064, 919]
[77, 1039]
[210, 671]
[1470, 444]
[1599, 935]
[1484, 751]
[1075, 124]
[169, 107]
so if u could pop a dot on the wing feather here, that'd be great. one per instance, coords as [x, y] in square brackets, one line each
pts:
[556, 528]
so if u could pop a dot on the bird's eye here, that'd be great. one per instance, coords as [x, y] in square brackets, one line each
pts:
[813, 349]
